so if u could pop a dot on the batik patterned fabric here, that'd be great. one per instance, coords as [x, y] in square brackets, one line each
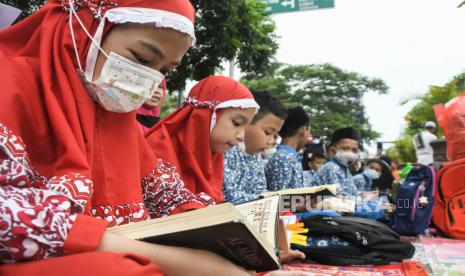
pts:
[363, 182]
[244, 176]
[308, 175]
[284, 170]
[37, 213]
[334, 173]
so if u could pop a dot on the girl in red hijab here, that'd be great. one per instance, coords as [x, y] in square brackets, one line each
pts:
[72, 161]
[195, 137]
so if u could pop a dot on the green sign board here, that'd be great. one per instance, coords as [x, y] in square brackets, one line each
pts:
[279, 6]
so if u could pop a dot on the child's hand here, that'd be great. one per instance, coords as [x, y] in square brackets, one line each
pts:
[171, 259]
[289, 255]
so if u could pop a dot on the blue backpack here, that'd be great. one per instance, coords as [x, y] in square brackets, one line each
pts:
[415, 200]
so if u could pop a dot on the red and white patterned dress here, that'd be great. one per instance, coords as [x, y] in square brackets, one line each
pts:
[37, 214]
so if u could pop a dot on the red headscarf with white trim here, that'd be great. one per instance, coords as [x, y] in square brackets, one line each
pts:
[45, 102]
[183, 138]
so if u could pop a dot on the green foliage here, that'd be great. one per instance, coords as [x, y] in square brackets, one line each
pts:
[169, 105]
[225, 29]
[403, 150]
[423, 110]
[27, 6]
[331, 96]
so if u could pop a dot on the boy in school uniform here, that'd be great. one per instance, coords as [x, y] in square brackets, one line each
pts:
[284, 169]
[344, 149]
[244, 168]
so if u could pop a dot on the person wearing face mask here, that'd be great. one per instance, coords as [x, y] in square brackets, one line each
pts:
[344, 149]
[284, 169]
[72, 159]
[376, 176]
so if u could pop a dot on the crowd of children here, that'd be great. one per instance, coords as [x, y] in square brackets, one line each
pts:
[83, 148]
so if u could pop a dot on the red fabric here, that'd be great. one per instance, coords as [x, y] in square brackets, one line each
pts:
[451, 117]
[85, 235]
[45, 102]
[399, 269]
[183, 138]
[448, 212]
[93, 263]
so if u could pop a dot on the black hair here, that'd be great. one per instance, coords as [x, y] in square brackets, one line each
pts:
[387, 159]
[386, 179]
[309, 155]
[297, 118]
[345, 133]
[269, 104]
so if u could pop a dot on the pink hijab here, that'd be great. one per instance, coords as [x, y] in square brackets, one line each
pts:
[153, 112]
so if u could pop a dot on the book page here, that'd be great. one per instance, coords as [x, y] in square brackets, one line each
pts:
[263, 215]
[332, 189]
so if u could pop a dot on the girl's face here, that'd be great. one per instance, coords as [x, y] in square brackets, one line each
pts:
[161, 49]
[375, 166]
[156, 99]
[229, 128]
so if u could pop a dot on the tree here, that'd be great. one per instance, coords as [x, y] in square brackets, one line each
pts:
[331, 96]
[169, 105]
[403, 150]
[27, 6]
[423, 110]
[225, 30]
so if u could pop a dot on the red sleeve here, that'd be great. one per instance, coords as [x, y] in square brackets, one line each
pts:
[84, 235]
[164, 193]
[37, 214]
[187, 207]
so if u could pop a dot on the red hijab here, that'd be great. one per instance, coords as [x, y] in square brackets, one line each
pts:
[183, 138]
[44, 101]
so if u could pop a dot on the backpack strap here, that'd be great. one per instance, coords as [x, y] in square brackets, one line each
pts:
[419, 141]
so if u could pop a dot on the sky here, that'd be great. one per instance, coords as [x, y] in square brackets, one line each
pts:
[410, 44]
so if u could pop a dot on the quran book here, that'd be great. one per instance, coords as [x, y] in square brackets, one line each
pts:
[245, 234]
[303, 199]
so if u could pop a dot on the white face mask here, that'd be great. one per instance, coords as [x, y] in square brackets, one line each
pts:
[268, 153]
[372, 174]
[123, 85]
[345, 157]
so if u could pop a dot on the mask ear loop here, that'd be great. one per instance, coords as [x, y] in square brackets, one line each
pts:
[71, 13]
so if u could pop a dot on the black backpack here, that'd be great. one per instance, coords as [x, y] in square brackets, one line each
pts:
[369, 242]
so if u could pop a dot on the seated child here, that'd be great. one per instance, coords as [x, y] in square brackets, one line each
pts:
[344, 148]
[312, 162]
[376, 176]
[194, 138]
[149, 113]
[244, 170]
[284, 169]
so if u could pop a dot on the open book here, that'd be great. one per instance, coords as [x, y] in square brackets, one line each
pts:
[246, 234]
[330, 190]
[315, 198]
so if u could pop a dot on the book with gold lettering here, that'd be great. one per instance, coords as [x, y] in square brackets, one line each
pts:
[246, 234]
